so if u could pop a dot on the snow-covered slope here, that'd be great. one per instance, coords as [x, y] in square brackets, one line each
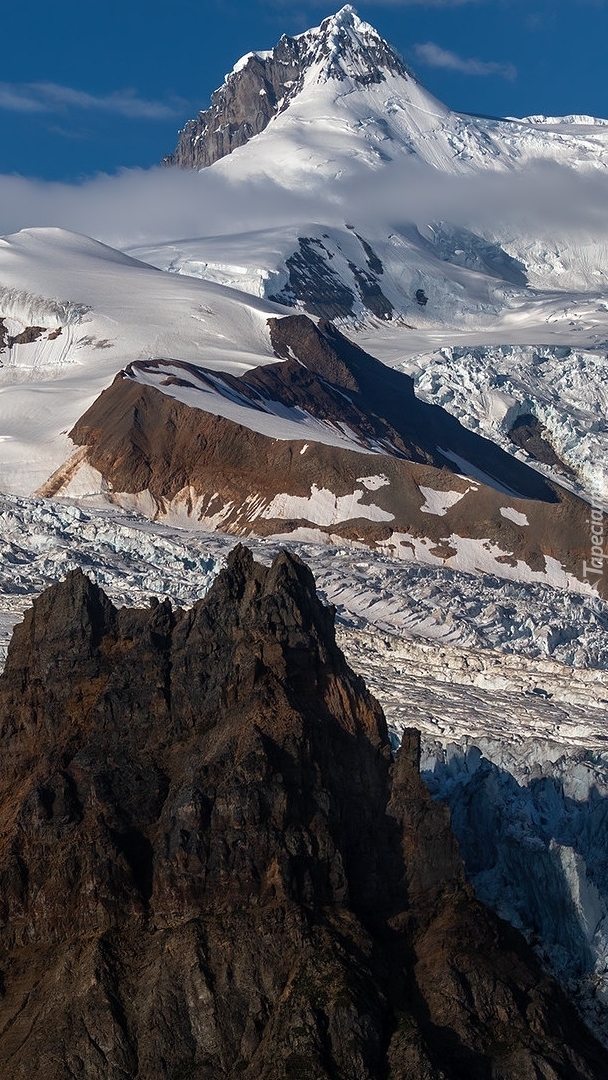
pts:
[328, 442]
[74, 312]
[357, 273]
[352, 120]
[333, 74]
[426, 278]
[121, 306]
[526, 245]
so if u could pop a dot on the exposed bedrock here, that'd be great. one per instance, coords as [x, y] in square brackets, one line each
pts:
[263, 84]
[372, 464]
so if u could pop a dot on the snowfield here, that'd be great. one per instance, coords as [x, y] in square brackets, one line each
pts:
[97, 310]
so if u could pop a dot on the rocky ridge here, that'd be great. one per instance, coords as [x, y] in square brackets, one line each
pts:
[363, 460]
[211, 866]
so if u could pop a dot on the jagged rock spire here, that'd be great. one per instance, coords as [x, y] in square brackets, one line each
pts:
[211, 867]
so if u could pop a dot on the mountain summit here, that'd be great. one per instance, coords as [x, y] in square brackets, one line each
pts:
[262, 84]
[345, 47]
[338, 97]
[333, 120]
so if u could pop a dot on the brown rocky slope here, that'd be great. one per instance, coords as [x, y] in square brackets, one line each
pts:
[211, 867]
[168, 456]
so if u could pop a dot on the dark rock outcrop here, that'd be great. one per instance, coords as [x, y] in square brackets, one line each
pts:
[528, 433]
[325, 375]
[211, 867]
[26, 337]
[312, 283]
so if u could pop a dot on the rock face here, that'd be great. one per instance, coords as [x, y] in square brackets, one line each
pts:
[262, 85]
[366, 461]
[312, 283]
[528, 433]
[211, 866]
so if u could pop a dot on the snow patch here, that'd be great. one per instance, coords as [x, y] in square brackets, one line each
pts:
[324, 508]
[439, 502]
[514, 515]
[244, 60]
[474, 556]
[373, 483]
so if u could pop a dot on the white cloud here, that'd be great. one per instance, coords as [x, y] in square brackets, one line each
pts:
[434, 56]
[384, 3]
[139, 205]
[152, 206]
[423, 3]
[49, 97]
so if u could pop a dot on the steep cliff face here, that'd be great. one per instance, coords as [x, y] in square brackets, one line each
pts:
[211, 867]
[262, 84]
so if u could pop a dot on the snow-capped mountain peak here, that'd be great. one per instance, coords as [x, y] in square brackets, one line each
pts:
[345, 47]
[262, 85]
[335, 44]
[337, 99]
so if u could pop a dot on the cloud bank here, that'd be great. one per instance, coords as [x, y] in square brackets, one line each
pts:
[139, 207]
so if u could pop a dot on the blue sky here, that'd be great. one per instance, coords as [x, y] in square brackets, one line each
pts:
[90, 87]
